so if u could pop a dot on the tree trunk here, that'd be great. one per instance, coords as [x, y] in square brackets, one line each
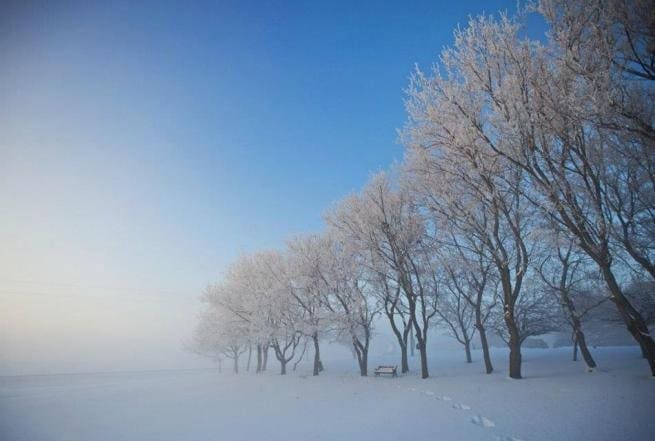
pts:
[404, 364]
[302, 355]
[249, 358]
[265, 361]
[467, 349]
[318, 366]
[283, 367]
[633, 320]
[361, 352]
[402, 341]
[514, 345]
[578, 335]
[411, 344]
[515, 358]
[580, 341]
[422, 348]
[424, 360]
[236, 364]
[259, 358]
[485, 346]
[363, 364]
[584, 350]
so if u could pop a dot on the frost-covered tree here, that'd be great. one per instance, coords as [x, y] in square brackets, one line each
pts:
[479, 287]
[239, 293]
[256, 291]
[595, 165]
[605, 50]
[363, 220]
[480, 194]
[220, 335]
[387, 231]
[457, 315]
[567, 115]
[284, 316]
[470, 292]
[565, 272]
[387, 290]
[351, 308]
[308, 289]
[536, 313]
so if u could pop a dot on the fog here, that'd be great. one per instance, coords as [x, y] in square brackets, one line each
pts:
[48, 333]
[298, 221]
[90, 279]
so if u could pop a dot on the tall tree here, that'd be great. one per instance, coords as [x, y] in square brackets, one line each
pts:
[482, 195]
[468, 277]
[386, 229]
[559, 113]
[308, 290]
[352, 310]
[563, 273]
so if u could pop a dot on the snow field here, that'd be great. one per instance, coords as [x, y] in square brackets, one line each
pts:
[557, 399]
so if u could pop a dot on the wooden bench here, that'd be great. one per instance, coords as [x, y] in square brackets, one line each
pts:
[386, 370]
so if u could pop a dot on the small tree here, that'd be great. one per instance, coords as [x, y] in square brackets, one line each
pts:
[218, 336]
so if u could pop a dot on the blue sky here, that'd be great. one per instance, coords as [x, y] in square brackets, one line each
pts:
[145, 146]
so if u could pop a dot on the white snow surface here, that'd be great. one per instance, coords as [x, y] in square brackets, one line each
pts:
[557, 400]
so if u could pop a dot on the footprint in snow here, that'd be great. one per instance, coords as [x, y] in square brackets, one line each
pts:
[446, 398]
[482, 421]
[413, 389]
[429, 392]
[462, 407]
[507, 438]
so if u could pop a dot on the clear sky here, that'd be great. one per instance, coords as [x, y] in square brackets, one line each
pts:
[145, 145]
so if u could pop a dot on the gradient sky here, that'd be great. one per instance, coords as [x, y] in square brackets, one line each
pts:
[144, 146]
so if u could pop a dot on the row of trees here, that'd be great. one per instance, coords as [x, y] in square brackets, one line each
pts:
[526, 198]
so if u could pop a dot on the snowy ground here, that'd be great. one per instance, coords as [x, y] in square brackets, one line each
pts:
[556, 401]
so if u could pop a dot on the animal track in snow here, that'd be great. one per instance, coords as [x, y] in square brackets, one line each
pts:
[482, 421]
[461, 406]
[446, 398]
[429, 392]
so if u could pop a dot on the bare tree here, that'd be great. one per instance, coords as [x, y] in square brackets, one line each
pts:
[541, 110]
[458, 316]
[218, 336]
[480, 194]
[305, 254]
[352, 311]
[388, 231]
[468, 278]
[285, 316]
[536, 313]
[386, 287]
[563, 273]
